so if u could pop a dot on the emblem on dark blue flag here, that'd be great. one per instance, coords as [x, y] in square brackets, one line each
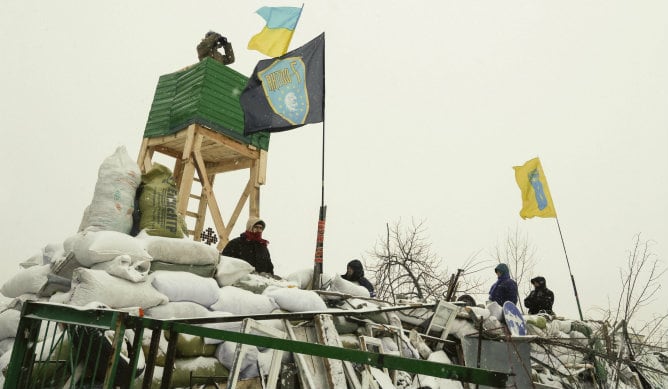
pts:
[284, 85]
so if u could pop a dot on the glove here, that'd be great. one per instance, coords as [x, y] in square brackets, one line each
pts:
[222, 40]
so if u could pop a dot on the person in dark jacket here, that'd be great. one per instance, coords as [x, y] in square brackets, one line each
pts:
[355, 273]
[541, 298]
[250, 247]
[209, 46]
[505, 288]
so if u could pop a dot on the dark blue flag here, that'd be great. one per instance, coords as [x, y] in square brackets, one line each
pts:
[288, 91]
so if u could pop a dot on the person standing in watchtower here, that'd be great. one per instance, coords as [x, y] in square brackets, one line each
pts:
[209, 46]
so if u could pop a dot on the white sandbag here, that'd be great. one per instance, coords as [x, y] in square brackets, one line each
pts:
[26, 281]
[425, 381]
[91, 247]
[231, 270]
[248, 365]
[257, 283]
[177, 310]
[179, 250]
[113, 200]
[495, 310]
[338, 284]
[36, 259]
[242, 302]
[124, 267]
[460, 328]
[479, 311]
[295, 300]
[302, 278]
[185, 286]
[97, 285]
[6, 345]
[564, 325]
[9, 323]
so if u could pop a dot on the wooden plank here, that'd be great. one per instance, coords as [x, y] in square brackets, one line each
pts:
[207, 191]
[167, 138]
[236, 212]
[201, 210]
[143, 150]
[190, 142]
[254, 200]
[262, 172]
[338, 371]
[185, 186]
[229, 165]
[230, 143]
[311, 368]
[167, 151]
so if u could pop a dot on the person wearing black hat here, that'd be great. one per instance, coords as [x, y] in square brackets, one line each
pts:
[250, 247]
[541, 298]
[505, 288]
[355, 273]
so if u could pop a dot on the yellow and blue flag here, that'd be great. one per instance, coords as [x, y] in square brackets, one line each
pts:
[536, 198]
[275, 37]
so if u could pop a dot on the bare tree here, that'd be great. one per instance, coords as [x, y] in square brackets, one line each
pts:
[403, 266]
[640, 282]
[518, 253]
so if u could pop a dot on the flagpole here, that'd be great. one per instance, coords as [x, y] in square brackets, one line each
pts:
[316, 283]
[575, 290]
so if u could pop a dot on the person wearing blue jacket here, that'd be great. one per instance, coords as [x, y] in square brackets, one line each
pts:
[505, 288]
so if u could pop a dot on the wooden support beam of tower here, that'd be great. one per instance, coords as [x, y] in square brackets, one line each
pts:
[199, 155]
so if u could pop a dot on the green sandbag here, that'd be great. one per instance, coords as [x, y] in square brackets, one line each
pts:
[200, 270]
[157, 204]
[192, 346]
[199, 366]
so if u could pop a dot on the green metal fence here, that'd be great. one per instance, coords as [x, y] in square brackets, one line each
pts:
[60, 346]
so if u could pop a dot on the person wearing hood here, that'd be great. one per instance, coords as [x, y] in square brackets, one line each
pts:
[505, 288]
[541, 298]
[355, 274]
[250, 247]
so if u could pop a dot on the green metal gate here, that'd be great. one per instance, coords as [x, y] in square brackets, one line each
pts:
[60, 346]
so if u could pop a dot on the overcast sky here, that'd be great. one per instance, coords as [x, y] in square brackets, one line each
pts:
[429, 105]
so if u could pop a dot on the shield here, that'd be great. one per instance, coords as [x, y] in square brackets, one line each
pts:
[284, 85]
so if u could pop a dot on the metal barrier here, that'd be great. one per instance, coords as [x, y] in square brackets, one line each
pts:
[59, 346]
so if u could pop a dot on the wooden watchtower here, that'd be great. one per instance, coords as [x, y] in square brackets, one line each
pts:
[196, 119]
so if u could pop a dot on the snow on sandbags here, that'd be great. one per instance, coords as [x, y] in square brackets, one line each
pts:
[26, 281]
[495, 310]
[302, 278]
[9, 323]
[295, 300]
[178, 251]
[257, 283]
[114, 197]
[184, 286]
[92, 247]
[242, 302]
[47, 255]
[425, 381]
[176, 310]
[124, 267]
[338, 284]
[231, 270]
[99, 286]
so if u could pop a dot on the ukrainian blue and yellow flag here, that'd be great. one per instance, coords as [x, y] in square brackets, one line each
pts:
[275, 37]
[536, 198]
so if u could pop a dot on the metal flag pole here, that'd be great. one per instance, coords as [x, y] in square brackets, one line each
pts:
[320, 238]
[575, 290]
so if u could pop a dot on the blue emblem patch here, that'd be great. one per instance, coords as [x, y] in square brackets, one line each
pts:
[284, 85]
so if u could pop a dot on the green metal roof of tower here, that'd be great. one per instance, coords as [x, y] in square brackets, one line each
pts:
[206, 93]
